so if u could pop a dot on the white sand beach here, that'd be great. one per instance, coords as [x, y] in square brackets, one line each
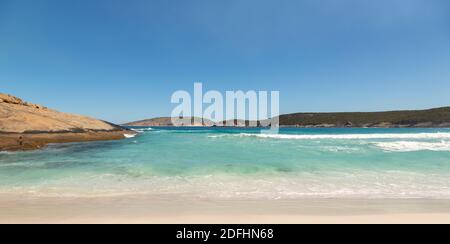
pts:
[173, 209]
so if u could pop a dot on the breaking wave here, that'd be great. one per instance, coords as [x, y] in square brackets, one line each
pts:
[439, 135]
[410, 146]
[142, 130]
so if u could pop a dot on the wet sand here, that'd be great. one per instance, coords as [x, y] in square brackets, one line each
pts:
[175, 209]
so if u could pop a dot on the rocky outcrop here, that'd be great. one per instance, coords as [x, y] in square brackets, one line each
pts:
[6, 98]
[21, 122]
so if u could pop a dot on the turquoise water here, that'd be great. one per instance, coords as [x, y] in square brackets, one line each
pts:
[232, 163]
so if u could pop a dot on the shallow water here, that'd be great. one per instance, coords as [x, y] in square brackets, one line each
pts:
[233, 163]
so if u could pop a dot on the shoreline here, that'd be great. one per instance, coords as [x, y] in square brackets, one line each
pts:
[291, 127]
[175, 209]
[38, 140]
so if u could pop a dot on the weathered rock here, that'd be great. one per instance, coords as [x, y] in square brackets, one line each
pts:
[444, 125]
[18, 116]
[423, 125]
[383, 125]
[25, 126]
[5, 98]
[324, 126]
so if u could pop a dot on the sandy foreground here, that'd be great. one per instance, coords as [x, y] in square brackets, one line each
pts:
[175, 209]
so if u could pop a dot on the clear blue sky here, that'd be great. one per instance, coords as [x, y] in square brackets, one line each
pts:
[121, 60]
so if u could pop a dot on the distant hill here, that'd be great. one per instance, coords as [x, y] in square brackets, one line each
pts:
[437, 117]
[167, 121]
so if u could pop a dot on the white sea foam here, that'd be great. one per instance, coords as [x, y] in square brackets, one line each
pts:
[355, 185]
[147, 129]
[341, 149]
[440, 135]
[142, 130]
[410, 146]
[216, 136]
[129, 135]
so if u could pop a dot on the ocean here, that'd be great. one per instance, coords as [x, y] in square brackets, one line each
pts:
[240, 163]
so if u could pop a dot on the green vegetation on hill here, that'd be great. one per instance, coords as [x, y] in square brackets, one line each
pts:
[438, 117]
